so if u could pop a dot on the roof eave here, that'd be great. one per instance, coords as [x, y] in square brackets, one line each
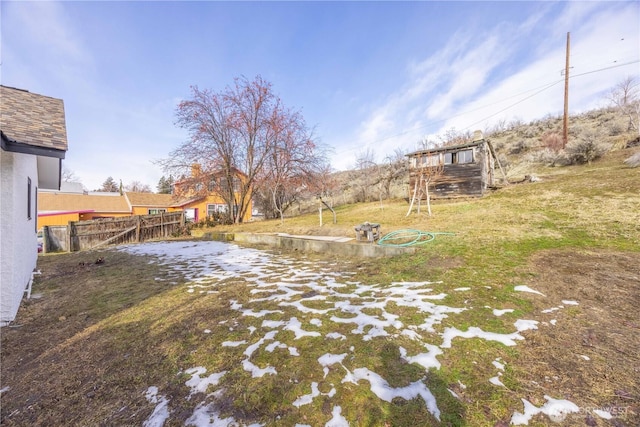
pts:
[14, 146]
[447, 148]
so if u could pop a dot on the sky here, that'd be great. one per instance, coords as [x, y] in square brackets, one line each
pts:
[366, 76]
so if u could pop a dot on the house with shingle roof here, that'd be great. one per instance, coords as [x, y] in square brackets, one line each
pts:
[33, 143]
[60, 207]
[151, 203]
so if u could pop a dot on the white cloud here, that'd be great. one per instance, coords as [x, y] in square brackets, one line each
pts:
[40, 36]
[505, 73]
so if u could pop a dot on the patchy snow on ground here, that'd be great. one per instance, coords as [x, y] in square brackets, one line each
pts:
[160, 412]
[499, 313]
[524, 288]
[557, 410]
[337, 301]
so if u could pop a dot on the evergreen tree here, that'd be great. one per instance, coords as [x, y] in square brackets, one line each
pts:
[165, 185]
[109, 186]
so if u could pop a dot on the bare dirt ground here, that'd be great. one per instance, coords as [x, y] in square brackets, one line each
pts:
[593, 359]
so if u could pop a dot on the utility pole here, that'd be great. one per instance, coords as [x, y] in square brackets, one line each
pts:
[565, 121]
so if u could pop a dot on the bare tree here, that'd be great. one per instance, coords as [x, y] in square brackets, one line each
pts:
[292, 164]
[454, 137]
[137, 187]
[426, 174]
[237, 129]
[395, 168]
[626, 98]
[362, 174]
[68, 175]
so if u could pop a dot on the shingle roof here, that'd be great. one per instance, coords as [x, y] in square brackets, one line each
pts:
[63, 202]
[150, 199]
[32, 119]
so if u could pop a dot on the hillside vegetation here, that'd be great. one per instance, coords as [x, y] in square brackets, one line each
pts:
[523, 149]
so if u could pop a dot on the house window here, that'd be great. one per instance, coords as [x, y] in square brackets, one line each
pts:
[214, 208]
[156, 211]
[212, 184]
[465, 156]
[28, 198]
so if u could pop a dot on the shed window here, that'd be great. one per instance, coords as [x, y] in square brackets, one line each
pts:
[433, 160]
[465, 156]
[156, 211]
[448, 158]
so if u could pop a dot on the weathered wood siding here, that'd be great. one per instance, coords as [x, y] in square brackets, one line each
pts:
[459, 180]
[111, 231]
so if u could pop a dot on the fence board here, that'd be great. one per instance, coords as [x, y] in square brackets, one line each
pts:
[97, 232]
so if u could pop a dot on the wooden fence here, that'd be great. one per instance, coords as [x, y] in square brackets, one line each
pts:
[83, 235]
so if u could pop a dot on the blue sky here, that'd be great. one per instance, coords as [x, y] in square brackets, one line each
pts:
[366, 75]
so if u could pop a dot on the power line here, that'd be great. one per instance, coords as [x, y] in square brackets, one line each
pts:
[541, 89]
[551, 85]
[514, 104]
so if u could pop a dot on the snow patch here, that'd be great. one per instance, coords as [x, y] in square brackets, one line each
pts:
[337, 420]
[524, 288]
[160, 412]
[384, 391]
[499, 313]
[555, 409]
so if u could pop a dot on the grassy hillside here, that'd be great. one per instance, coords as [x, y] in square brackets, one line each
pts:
[583, 205]
[522, 148]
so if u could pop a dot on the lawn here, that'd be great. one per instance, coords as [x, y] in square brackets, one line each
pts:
[527, 313]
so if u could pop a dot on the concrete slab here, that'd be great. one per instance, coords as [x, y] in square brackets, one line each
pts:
[324, 238]
[321, 244]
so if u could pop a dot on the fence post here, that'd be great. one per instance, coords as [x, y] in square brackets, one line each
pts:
[70, 235]
[45, 239]
[138, 228]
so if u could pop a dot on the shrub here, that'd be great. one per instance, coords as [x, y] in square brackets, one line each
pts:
[614, 128]
[552, 141]
[548, 157]
[519, 147]
[633, 161]
[588, 146]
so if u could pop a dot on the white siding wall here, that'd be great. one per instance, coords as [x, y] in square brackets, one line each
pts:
[18, 242]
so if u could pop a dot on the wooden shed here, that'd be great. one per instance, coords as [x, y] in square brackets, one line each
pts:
[465, 170]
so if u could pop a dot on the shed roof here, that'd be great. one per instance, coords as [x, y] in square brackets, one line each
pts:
[32, 119]
[446, 148]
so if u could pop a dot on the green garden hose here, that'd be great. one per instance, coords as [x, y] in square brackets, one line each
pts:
[408, 237]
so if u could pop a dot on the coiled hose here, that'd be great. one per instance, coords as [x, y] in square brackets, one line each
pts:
[409, 237]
